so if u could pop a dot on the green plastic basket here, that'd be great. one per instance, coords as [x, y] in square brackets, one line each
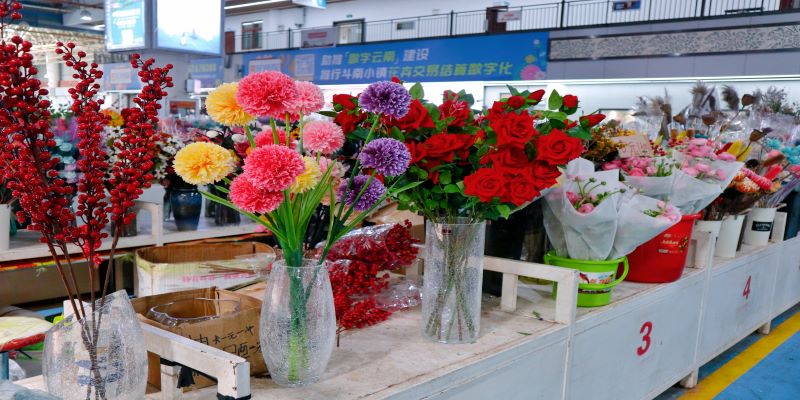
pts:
[591, 294]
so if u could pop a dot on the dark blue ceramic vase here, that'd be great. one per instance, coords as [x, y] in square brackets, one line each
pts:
[186, 204]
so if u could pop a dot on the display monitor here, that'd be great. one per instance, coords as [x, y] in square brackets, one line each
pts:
[189, 26]
[126, 22]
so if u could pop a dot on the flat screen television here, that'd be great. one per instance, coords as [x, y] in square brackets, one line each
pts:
[192, 26]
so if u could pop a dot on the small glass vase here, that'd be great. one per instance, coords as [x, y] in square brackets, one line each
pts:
[451, 294]
[99, 357]
[186, 205]
[298, 323]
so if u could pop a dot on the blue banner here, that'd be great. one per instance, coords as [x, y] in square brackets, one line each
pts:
[208, 71]
[125, 24]
[512, 56]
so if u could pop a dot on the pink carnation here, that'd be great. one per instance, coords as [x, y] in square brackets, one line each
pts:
[265, 137]
[252, 199]
[573, 197]
[586, 208]
[309, 99]
[266, 94]
[272, 167]
[322, 137]
[724, 156]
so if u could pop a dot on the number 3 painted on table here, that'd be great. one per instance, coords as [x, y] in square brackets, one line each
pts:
[645, 330]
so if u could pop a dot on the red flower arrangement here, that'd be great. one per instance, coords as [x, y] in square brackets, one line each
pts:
[355, 273]
[481, 165]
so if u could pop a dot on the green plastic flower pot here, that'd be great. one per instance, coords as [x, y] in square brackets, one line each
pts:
[597, 278]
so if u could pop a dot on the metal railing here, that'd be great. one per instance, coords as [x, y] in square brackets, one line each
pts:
[563, 14]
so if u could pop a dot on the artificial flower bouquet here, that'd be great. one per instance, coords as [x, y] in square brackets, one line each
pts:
[595, 216]
[286, 175]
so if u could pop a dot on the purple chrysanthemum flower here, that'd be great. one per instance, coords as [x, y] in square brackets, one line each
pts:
[371, 195]
[386, 98]
[389, 157]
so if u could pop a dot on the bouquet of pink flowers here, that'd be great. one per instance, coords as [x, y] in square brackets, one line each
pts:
[702, 175]
[593, 216]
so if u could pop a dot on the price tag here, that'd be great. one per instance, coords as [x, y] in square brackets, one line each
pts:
[635, 146]
[645, 331]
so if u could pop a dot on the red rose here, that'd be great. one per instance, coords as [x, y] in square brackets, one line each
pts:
[507, 157]
[349, 121]
[569, 124]
[485, 184]
[417, 151]
[416, 118]
[456, 109]
[522, 189]
[592, 120]
[514, 129]
[395, 79]
[570, 101]
[497, 111]
[558, 148]
[444, 146]
[345, 100]
[544, 175]
[516, 102]
[536, 96]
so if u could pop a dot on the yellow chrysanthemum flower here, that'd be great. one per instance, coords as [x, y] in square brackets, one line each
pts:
[222, 106]
[203, 163]
[115, 118]
[309, 178]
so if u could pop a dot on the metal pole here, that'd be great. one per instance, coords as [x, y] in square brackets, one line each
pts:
[563, 11]
[452, 21]
[702, 8]
[289, 38]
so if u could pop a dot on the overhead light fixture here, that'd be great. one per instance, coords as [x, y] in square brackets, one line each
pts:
[252, 3]
[85, 15]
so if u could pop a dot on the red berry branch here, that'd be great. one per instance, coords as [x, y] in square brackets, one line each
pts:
[137, 148]
[92, 161]
[29, 168]
[355, 274]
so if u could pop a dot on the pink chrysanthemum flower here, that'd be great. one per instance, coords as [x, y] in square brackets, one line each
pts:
[266, 94]
[322, 137]
[250, 198]
[309, 98]
[265, 137]
[273, 167]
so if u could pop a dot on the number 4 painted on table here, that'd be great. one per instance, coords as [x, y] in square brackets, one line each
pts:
[645, 330]
[746, 292]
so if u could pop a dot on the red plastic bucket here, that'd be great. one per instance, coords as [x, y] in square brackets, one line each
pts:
[662, 258]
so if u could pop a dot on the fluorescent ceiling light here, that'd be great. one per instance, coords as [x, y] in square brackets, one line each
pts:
[254, 3]
[85, 16]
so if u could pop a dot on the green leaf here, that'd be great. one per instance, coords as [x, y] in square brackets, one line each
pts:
[555, 101]
[403, 188]
[470, 99]
[557, 124]
[504, 210]
[416, 91]
[452, 189]
[580, 133]
[431, 204]
[445, 177]
[331, 114]
[513, 90]
[554, 115]
[360, 133]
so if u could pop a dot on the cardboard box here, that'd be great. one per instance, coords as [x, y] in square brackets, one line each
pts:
[236, 334]
[180, 267]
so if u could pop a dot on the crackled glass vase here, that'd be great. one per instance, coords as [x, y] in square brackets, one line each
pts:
[99, 357]
[298, 323]
[451, 291]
